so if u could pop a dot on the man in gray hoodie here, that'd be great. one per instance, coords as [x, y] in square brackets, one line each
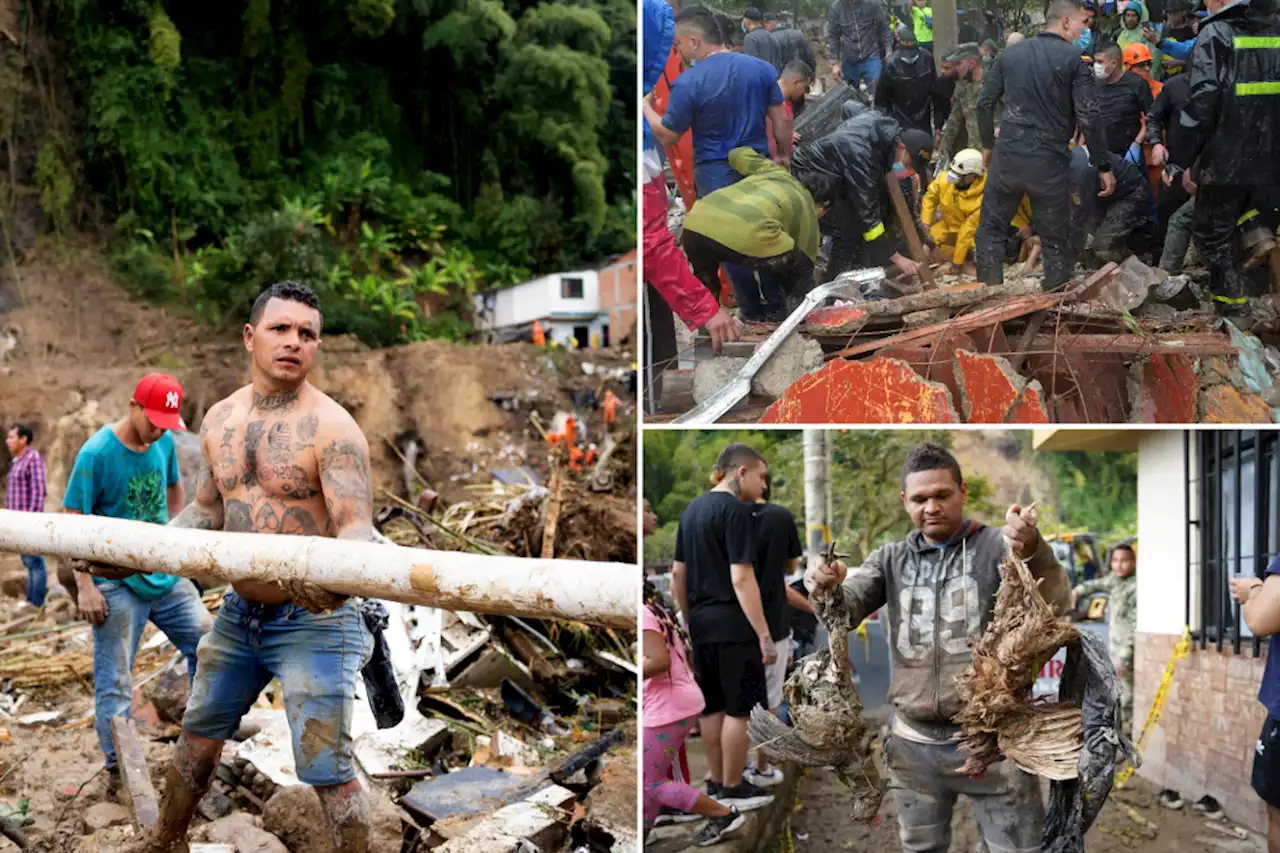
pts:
[939, 589]
[858, 39]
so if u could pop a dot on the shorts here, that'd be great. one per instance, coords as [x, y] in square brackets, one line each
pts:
[731, 676]
[316, 656]
[1266, 763]
[776, 673]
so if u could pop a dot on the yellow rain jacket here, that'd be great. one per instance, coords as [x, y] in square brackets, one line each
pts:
[952, 214]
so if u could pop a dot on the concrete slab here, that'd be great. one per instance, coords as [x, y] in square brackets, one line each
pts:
[712, 375]
[796, 356]
[1168, 391]
[1223, 404]
[879, 391]
[936, 363]
[991, 392]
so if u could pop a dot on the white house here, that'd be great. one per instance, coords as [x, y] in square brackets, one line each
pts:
[1208, 510]
[567, 304]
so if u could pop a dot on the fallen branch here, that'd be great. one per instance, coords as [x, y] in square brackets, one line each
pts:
[577, 591]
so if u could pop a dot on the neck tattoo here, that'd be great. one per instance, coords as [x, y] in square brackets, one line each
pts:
[275, 403]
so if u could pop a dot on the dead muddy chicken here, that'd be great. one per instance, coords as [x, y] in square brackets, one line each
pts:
[828, 730]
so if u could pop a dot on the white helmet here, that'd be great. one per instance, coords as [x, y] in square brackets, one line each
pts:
[967, 162]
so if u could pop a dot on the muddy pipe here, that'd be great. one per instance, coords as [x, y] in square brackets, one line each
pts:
[576, 590]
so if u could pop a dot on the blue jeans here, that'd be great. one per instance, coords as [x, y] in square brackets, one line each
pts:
[864, 71]
[37, 580]
[712, 175]
[181, 615]
[316, 656]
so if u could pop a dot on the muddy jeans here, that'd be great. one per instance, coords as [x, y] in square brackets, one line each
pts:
[182, 617]
[1006, 801]
[1177, 238]
[316, 656]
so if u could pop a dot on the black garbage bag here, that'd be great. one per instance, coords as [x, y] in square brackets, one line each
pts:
[379, 677]
[1088, 678]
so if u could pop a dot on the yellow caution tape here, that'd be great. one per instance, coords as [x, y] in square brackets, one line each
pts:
[1180, 651]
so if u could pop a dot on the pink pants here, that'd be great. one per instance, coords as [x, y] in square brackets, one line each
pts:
[661, 746]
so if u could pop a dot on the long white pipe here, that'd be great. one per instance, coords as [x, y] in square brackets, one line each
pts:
[596, 593]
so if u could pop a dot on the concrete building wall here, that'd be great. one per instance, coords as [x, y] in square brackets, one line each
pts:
[618, 293]
[1204, 740]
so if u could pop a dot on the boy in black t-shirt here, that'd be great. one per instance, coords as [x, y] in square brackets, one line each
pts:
[713, 581]
[778, 555]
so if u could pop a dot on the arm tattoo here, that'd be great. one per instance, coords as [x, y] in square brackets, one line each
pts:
[347, 483]
[239, 517]
[201, 513]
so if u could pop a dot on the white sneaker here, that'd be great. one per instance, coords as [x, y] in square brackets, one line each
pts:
[764, 779]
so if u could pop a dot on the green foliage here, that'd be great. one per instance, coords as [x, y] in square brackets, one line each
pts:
[56, 187]
[866, 508]
[397, 156]
[1097, 492]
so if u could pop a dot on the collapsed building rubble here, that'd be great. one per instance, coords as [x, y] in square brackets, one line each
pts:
[1127, 343]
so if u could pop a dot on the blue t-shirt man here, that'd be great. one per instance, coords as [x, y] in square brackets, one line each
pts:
[722, 100]
[111, 480]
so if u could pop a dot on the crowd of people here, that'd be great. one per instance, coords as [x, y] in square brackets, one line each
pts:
[719, 646]
[1116, 129]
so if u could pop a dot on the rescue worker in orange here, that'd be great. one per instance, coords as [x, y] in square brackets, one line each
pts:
[610, 406]
[539, 336]
[1138, 59]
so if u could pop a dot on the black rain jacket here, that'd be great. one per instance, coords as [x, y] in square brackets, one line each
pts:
[1233, 115]
[908, 91]
[1048, 91]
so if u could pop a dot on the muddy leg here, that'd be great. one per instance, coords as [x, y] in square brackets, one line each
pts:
[347, 811]
[186, 781]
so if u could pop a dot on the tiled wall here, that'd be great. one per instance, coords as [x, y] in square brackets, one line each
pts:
[1204, 741]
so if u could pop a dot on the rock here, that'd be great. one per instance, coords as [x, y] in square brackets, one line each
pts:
[169, 693]
[796, 356]
[106, 840]
[1129, 287]
[104, 815]
[215, 804]
[294, 814]
[712, 375]
[244, 832]
[926, 318]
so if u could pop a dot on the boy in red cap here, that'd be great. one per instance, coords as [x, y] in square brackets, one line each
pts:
[129, 469]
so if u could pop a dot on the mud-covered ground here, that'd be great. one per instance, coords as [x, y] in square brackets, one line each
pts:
[821, 822]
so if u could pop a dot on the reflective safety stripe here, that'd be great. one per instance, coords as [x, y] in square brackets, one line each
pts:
[1257, 42]
[1269, 88]
[1243, 219]
[1230, 300]
[874, 232]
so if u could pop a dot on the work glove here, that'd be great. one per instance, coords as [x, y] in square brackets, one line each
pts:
[103, 570]
[311, 596]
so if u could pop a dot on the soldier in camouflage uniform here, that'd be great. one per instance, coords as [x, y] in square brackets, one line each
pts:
[964, 65]
[1122, 616]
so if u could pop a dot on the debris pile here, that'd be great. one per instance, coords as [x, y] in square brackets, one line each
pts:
[1126, 344]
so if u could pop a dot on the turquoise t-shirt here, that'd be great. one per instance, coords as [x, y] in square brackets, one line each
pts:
[111, 480]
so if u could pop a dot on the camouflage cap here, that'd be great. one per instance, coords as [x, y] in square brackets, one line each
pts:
[968, 50]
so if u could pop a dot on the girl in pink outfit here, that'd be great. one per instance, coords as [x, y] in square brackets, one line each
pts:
[672, 703]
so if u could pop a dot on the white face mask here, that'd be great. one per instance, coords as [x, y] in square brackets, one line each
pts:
[1099, 71]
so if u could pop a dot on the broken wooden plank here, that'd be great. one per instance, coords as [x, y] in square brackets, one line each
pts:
[958, 325]
[1192, 345]
[1093, 285]
[907, 222]
[134, 777]
[1034, 322]
[554, 502]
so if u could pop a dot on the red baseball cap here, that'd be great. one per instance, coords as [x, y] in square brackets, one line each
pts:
[161, 398]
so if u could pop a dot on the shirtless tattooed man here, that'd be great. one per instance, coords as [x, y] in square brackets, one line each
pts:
[279, 458]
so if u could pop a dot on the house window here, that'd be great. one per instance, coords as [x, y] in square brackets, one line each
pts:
[571, 288]
[1238, 521]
